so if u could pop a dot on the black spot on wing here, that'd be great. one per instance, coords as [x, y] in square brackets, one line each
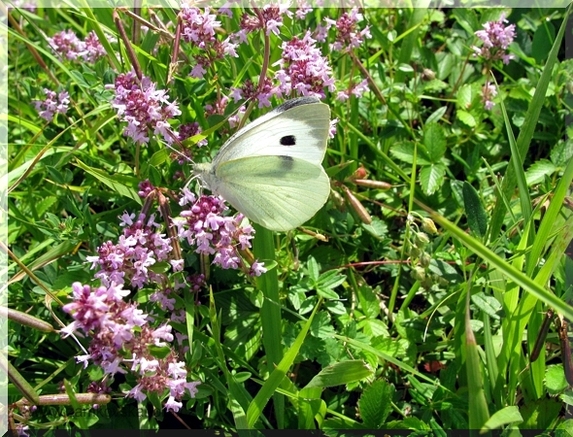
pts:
[288, 140]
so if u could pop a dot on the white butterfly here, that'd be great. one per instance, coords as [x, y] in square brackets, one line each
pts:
[270, 170]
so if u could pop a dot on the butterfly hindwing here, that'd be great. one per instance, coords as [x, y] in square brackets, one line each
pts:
[280, 192]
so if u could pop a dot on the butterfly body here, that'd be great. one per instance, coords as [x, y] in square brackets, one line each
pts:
[271, 170]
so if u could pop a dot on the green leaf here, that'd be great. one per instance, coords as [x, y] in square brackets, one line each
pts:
[159, 351]
[475, 212]
[331, 279]
[376, 403]
[488, 304]
[341, 373]
[464, 97]
[543, 39]
[405, 153]
[117, 183]
[538, 171]
[312, 268]
[436, 115]
[505, 416]
[466, 118]
[432, 178]
[555, 380]
[327, 293]
[435, 142]
[562, 153]
[159, 158]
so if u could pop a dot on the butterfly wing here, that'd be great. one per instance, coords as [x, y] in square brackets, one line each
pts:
[298, 128]
[278, 192]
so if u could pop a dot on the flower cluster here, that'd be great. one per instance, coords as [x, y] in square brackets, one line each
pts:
[348, 35]
[204, 227]
[496, 38]
[54, 103]
[269, 18]
[143, 107]
[118, 330]
[199, 29]
[140, 247]
[69, 46]
[303, 69]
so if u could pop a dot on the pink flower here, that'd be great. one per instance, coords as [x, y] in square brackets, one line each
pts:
[496, 38]
[268, 19]
[53, 104]
[143, 107]
[304, 69]
[199, 29]
[172, 405]
[204, 226]
[68, 46]
[488, 92]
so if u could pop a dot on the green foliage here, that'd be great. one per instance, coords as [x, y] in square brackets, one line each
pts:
[412, 300]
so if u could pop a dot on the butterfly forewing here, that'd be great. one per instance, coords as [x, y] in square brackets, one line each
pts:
[298, 128]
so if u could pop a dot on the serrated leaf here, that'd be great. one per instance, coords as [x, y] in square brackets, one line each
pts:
[466, 118]
[538, 170]
[403, 152]
[563, 151]
[432, 178]
[341, 373]
[464, 97]
[475, 212]
[435, 142]
[376, 403]
[374, 327]
[322, 326]
[377, 228]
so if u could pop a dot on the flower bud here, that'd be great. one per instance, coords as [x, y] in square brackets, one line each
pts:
[358, 207]
[360, 173]
[421, 239]
[379, 185]
[429, 226]
[425, 259]
[419, 274]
